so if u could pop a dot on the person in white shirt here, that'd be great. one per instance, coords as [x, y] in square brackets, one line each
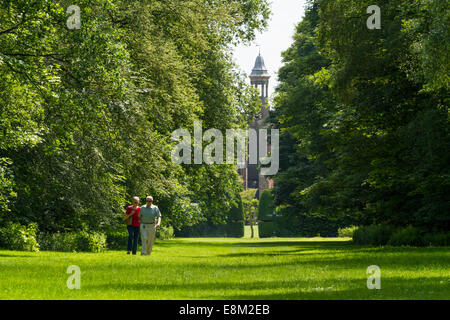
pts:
[150, 217]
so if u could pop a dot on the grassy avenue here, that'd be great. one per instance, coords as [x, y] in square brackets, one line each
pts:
[218, 268]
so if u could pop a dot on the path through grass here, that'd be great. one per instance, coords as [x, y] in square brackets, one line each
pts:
[231, 269]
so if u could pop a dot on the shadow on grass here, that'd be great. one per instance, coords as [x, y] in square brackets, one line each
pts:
[392, 288]
[251, 244]
[16, 256]
[311, 245]
[324, 251]
[307, 248]
[341, 263]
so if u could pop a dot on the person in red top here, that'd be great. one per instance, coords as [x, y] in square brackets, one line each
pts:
[133, 225]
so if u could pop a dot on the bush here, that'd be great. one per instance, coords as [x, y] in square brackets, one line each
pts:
[291, 223]
[82, 241]
[164, 233]
[409, 236]
[373, 235]
[117, 239]
[406, 236]
[347, 232]
[203, 229]
[233, 228]
[266, 229]
[266, 207]
[64, 242]
[436, 239]
[91, 241]
[15, 236]
[235, 224]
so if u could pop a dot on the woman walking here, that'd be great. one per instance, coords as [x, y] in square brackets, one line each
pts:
[133, 224]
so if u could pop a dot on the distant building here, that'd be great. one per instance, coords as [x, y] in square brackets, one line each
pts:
[250, 174]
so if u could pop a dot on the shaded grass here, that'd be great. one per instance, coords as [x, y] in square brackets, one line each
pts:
[218, 268]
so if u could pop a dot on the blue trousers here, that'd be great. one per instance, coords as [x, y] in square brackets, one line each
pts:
[133, 236]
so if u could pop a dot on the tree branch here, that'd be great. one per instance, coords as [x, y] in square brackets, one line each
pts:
[15, 27]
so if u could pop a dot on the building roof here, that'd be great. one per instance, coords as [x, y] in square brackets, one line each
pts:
[259, 70]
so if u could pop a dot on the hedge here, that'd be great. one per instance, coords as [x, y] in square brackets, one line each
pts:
[117, 240]
[233, 228]
[235, 224]
[266, 206]
[403, 236]
[81, 241]
[266, 229]
[289, 223]
[373, 235]
[204, 229]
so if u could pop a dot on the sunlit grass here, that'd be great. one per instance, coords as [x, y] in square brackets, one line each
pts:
[248, 232]
[219, 268]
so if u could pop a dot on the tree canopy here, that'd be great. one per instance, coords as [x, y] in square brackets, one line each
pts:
[86, 114]
[364, 114]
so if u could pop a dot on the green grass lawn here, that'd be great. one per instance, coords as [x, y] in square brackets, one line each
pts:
[288, 268]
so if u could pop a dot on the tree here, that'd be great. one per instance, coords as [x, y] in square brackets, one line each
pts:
[303, 104]
[250, 207]
[363, 115]
[86, 115]
[266, 208]
[396, 173]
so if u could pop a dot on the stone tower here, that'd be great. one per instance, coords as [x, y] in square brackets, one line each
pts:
[259, 78]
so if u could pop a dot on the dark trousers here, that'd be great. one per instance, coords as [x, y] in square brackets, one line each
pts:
[133, 236]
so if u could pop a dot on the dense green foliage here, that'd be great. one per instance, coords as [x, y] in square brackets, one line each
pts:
[234, 226]
[18, 237]
[401, 236]
[117, 240]
[266, 208]
[364, 116]
[209, 229]
[266, 215]
[81, 241]
[347, 232]
[291, 223]
[86, 115]
[203, 229]
[406, 236]
[373, 235]
[26, 238]
[250, 205]
[165, 233]
[287, 221]
[266, 229]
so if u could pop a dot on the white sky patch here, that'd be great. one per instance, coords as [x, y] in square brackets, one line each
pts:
[286, 14]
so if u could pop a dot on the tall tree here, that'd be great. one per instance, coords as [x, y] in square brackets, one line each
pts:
[364, 115]
[87, 113]
[250, 208]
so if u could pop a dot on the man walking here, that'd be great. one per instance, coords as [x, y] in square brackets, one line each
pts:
[148, 215]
